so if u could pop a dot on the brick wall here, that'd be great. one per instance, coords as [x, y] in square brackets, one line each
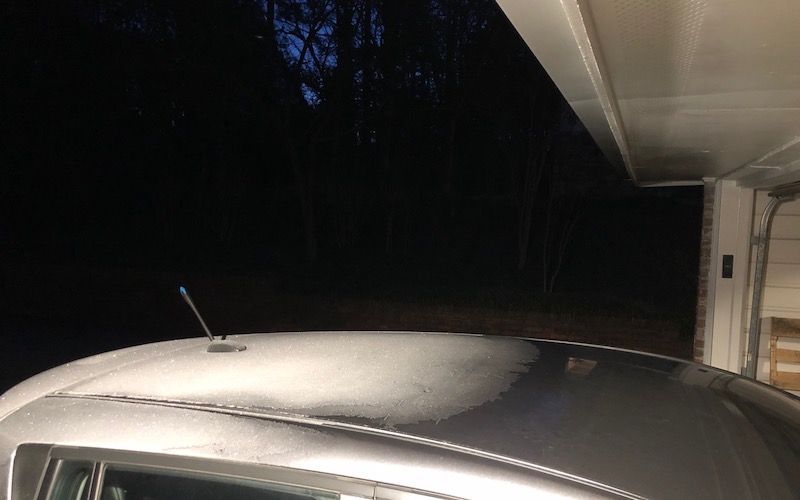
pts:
[704, 271]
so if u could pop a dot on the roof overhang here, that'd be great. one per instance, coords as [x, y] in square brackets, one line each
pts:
[677, 91]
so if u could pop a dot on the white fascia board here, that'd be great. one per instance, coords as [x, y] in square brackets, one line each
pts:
[561, 35]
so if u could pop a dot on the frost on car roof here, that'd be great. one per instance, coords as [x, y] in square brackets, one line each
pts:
[383, 377]
[616, 417]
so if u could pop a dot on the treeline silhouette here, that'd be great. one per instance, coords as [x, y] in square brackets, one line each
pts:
[271, 131]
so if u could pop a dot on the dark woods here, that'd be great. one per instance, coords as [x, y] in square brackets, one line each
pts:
[266, 132]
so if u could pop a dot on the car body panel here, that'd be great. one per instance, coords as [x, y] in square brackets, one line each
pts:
[176, 433]
[435, 410]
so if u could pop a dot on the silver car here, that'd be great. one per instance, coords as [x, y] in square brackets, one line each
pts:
[370, 415]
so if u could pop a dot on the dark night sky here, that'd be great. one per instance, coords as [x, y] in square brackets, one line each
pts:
[416, 153]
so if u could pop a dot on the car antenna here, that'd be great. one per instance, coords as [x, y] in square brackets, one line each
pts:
[188, 300]
[216, 345]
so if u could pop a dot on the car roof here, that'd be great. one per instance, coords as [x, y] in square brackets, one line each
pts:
[616, 417]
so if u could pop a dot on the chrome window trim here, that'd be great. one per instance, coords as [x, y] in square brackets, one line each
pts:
[346, 487]
[95, 487]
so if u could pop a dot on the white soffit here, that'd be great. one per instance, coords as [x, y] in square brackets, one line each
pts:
[677, 90]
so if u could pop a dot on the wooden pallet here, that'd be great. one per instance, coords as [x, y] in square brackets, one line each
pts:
[784, 328]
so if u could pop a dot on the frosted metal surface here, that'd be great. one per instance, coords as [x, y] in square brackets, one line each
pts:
[381, 377]
[323, 401]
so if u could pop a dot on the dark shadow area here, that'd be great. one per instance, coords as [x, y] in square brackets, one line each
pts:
[294, 171]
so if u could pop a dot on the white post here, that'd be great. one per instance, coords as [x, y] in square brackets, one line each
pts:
[733, 220]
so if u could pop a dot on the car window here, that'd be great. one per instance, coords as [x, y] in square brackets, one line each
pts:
[72, 480]
[128, 482]
[69, 480]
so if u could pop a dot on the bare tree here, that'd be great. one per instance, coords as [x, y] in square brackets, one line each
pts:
[529, 177]
[561, 218]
